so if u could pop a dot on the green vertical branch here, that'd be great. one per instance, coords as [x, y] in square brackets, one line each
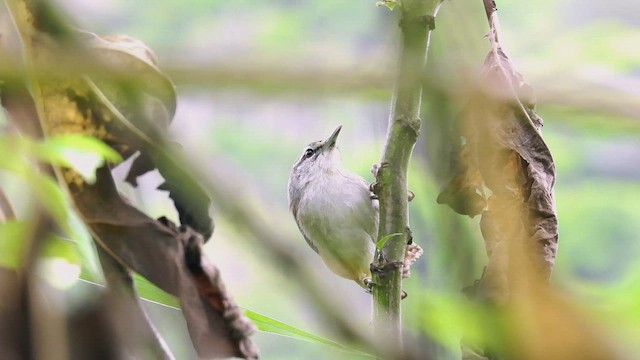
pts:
[416, 23]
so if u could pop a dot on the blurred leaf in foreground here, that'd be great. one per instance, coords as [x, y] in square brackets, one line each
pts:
[125, 101]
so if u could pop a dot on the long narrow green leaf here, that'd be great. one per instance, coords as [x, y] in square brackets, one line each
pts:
[381, 242]
[152, 293]
[277, 327]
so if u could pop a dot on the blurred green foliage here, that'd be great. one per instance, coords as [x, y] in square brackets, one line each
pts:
[12, 246]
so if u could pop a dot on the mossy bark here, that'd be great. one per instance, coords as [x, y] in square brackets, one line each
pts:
[416, 23]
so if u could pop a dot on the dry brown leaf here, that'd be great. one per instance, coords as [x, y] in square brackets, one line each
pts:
[505, 171]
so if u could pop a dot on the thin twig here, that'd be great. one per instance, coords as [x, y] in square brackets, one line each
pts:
[495, 34]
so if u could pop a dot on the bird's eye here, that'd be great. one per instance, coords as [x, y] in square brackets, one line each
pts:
[308, 153]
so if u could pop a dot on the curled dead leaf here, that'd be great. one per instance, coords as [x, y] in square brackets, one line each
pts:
[505, 171]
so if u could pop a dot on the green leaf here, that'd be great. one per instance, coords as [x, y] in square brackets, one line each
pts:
[46, 190]
[60, 260]
[277, 327]
[12, 243]
[381, 242]
[446, 318]
[83, 144]
[77, 230]
[150, 292]
[83, 153]
[388, 3]
[59, 272]
[147, 290]
[59, 247]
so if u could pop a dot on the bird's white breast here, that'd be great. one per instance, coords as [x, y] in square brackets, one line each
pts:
[339, 218]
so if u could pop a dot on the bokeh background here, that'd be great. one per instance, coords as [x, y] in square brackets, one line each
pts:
[257, 81]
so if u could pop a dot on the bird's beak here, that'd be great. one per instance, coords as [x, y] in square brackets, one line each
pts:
[331, 141]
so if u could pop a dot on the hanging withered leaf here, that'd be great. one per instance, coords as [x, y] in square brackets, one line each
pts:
[172, 258]
[504, 170]
[148, 101]
[111, 88]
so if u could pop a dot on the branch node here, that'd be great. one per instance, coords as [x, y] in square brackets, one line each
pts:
[410, 122]
[425, 21]
[409, 233]
[383, 268]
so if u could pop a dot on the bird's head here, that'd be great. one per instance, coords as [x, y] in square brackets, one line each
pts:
[319, 157]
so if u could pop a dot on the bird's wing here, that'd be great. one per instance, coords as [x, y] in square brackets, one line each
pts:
[306, 236]
[364, 218]
[294, 209]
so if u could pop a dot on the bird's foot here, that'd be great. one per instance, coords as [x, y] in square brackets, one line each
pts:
[375, 186]
[375, 268]
[369, 284]
[376, 168]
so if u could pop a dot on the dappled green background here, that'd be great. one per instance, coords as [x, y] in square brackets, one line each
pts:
[581, 57]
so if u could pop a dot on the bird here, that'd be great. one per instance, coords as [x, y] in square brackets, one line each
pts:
[335, 210]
